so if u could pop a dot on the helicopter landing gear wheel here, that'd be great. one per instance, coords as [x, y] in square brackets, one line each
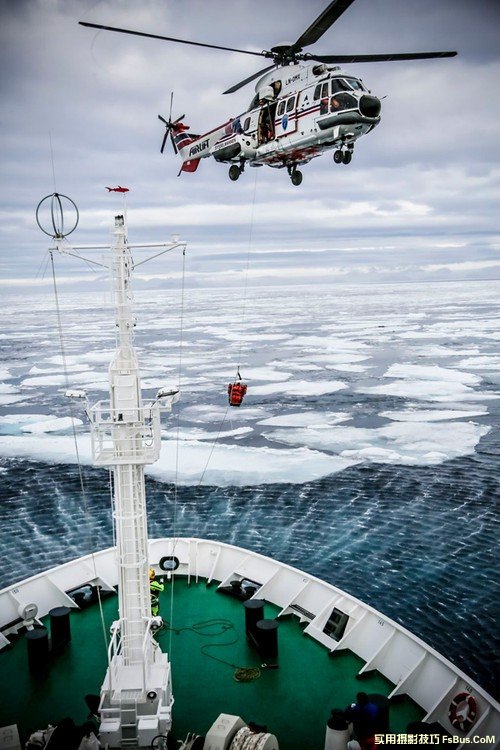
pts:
[234, 172]
[296, 177]
[338, 157]
[346, 157]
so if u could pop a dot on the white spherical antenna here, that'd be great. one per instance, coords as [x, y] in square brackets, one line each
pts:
[53, 218]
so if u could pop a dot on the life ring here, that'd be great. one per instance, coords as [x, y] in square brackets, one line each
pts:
[463, 711]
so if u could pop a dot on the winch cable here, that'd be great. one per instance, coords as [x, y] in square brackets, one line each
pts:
[247, 268]
[243, 322]
[83, 492]
[177, 439]
[212, 446]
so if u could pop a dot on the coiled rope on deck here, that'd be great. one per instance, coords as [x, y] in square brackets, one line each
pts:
[213, 628]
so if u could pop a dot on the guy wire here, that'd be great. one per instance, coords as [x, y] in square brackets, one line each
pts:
[77, 452]
[179, 377]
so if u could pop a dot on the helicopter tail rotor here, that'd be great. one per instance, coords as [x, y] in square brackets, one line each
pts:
[165, 135]
[172, 127]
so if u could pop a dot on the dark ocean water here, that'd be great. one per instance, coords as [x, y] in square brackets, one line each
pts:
[418, 542]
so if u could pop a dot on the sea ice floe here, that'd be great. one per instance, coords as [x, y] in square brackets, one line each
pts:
[75, 359]
[250, 374]
[57, 369]
[428, 390]
[303, 367]
[437, 350]
[400, 442]
[298, 388]
[312, 419]
[4, 374]
[207, 414]
[480, 363]
[196, 462]
[349, 368]
[198, 434]
[432, 372]
[330, 343]
[36, 423]
[239, 465]
[338, 359]
[81, 378]
[52, 425]
[10, 399]
[429, 383]
[432, 415]
[20, 419]
[8, 388]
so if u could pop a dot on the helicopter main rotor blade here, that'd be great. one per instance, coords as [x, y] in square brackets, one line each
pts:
[379, 58]
[164, 141]
[169, 38]
[247, 80]
[323, 22]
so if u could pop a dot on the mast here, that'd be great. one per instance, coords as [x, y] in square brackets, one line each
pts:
[128, 425]
[136, 695]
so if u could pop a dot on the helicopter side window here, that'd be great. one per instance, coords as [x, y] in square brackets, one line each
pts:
[324, 90]
[254, 103]
[246, 125]
[317, 91]
[281, 108]
[290, 104]
[338, 85]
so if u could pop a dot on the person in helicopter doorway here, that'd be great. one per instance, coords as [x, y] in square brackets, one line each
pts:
[155, 588]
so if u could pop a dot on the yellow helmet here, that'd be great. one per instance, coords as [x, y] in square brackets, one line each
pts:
[152, 574]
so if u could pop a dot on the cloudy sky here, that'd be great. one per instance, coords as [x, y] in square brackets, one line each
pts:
[79, 111]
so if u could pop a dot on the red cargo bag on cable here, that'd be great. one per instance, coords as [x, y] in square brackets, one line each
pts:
[236, 391]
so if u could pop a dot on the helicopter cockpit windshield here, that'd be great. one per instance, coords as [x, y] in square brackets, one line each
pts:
[355, 84]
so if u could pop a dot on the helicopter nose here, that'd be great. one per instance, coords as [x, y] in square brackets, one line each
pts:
[369, 106]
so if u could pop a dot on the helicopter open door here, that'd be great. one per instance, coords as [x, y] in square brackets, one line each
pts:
[286, 116]
[266, 131]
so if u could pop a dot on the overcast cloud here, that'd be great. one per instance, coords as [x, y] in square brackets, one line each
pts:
[419, 200]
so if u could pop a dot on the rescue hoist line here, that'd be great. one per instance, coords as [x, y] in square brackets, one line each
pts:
[236, 401]
[247, 267]
[90, 545]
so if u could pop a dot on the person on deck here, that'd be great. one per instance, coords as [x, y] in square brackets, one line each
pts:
[363, 715]
[155, 588]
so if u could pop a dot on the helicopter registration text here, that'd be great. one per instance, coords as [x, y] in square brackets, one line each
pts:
[199, 147]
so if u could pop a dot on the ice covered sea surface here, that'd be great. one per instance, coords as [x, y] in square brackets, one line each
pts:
[366, 451]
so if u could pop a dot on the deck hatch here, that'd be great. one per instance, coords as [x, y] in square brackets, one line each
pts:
[336, 624]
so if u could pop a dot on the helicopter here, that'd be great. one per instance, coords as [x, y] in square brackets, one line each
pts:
[304, 105]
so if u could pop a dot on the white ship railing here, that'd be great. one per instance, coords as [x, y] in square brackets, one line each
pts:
[424, 675]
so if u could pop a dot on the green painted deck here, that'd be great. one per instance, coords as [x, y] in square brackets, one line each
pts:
[294, 701]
